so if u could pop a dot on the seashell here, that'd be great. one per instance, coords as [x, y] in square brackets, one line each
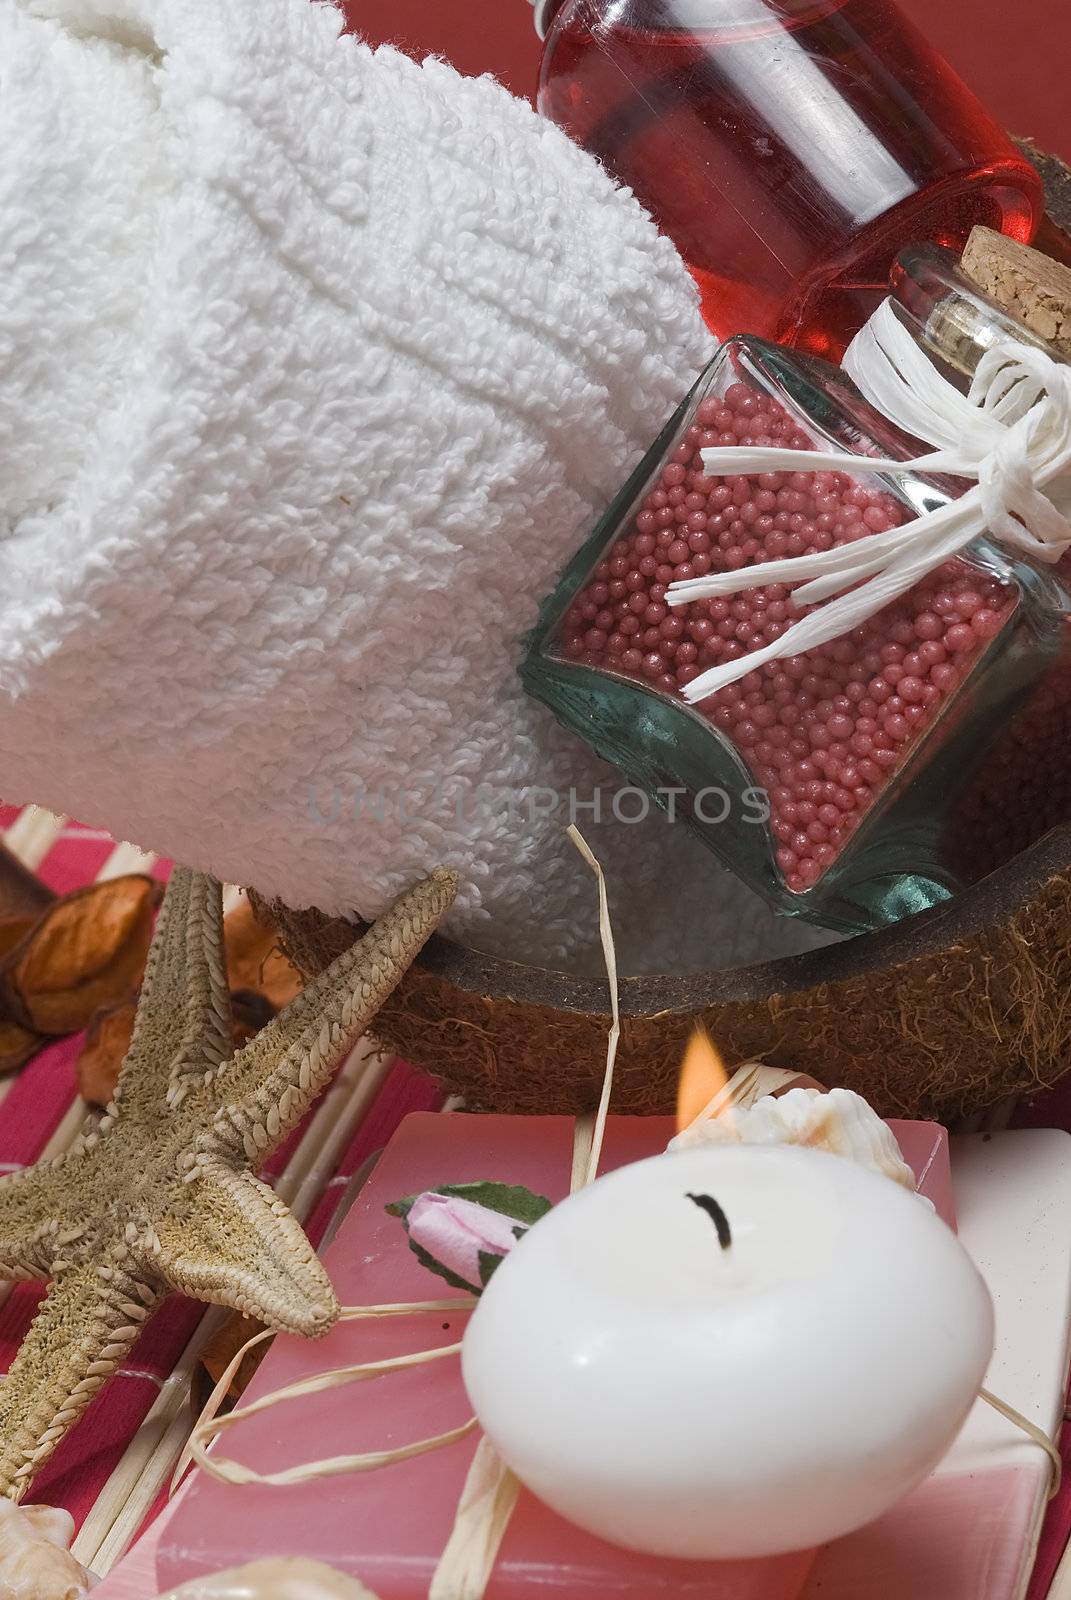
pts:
[839, 1121]
[277, 1578]
[35, 1563]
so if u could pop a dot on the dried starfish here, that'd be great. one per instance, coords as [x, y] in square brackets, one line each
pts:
[159, 1195]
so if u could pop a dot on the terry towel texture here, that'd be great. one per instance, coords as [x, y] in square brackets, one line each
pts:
[315, 366]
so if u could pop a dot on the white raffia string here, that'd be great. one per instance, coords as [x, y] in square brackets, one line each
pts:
[1011, 434]
[210, 1424]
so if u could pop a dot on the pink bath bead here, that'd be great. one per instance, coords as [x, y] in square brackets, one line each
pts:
[944, 677]
[986, 624]
[960, 638]
[876, 520]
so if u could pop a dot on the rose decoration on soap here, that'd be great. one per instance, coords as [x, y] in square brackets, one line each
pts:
[463, 1231]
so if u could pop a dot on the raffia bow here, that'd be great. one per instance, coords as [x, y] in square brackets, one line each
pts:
[1010, 434]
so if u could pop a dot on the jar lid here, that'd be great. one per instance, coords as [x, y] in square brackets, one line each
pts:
[1032, 286]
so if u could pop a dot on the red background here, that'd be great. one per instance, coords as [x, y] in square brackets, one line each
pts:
[1016, 54]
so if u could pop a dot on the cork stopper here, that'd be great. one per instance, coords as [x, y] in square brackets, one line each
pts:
[1031, 286]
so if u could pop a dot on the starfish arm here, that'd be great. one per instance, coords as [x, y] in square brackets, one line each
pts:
[87, 1323]
[239, 1246]
[32, 1213]
[183, 1024]
[265, 1090]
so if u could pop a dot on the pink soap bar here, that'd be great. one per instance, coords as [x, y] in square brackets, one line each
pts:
[958, 1537]
[389, 1528]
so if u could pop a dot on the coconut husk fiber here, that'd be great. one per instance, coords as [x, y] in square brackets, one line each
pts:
[940, 1016]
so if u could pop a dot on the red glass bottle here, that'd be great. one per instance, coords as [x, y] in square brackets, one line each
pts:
[789, 148]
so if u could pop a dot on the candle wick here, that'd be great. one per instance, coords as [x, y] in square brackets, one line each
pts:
[707, 1203]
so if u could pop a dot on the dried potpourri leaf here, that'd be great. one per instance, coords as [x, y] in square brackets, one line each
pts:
[254, 959]
[17, 1045]
[13, 930]
[86, 951]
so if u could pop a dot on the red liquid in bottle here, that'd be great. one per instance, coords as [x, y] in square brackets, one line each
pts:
[788, 147]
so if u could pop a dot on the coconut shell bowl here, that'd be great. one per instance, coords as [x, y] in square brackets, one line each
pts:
[942, 1015]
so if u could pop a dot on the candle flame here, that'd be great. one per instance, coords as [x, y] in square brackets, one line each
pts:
[702, 1084]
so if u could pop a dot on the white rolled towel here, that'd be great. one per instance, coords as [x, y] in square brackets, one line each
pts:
[315, 366]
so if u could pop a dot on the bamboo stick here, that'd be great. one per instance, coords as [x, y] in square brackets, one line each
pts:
[32, 835]
[126, 858]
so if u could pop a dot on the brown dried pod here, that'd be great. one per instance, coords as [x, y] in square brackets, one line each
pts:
[87, 950]
[254, 958]
[250, 1012]
[17, 1045]
[106, 1043]
[224, 1345]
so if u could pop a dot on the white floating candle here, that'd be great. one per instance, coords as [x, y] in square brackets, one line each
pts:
[729, 1352]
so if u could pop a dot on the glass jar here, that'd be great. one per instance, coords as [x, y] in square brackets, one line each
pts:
[876, 774]
[789, 148]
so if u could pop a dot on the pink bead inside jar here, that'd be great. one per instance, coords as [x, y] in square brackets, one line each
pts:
[825, 733]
